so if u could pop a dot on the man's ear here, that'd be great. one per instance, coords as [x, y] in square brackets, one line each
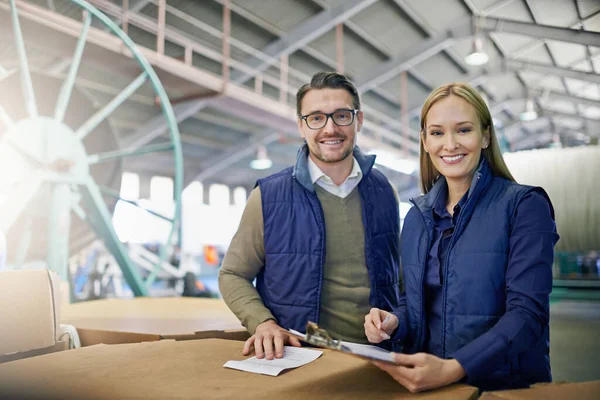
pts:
[360, 116]
[300, 128]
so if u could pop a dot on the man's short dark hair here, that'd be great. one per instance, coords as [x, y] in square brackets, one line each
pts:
[328, 80]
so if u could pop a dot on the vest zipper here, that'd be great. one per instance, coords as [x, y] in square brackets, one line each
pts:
[446, 263]
[445, 288]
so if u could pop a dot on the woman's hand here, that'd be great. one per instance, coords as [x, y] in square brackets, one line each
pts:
[379, 325]
[422, 371]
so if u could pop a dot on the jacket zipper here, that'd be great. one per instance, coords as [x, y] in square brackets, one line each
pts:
[320, 288]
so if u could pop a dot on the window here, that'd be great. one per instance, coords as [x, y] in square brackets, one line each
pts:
[161, 189]
[130, 186]
[218, 195]
[404, 207]
[193, 194]
[239, 196]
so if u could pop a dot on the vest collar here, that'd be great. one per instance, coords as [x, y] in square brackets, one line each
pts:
[302, 174]
[482, 177]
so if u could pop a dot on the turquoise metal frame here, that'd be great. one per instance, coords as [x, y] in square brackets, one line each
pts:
[70, 186]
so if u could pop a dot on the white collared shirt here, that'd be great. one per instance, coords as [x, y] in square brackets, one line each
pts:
[342, 191]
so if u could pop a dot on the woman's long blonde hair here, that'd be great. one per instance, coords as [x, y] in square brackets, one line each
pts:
[429, 174]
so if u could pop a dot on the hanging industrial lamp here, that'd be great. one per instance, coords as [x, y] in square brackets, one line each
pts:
[262, 160]
[529, 114]
[477, 56]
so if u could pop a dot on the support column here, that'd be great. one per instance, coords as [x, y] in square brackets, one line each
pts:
[404, 112]
[339, 48]
[284, 80]
[125, 17]
[226, 37]
[160, 37]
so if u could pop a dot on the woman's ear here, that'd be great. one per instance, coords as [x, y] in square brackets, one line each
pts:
[424, 142]
[486, 138]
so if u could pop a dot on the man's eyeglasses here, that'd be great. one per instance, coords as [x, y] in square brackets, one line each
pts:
[339, 117]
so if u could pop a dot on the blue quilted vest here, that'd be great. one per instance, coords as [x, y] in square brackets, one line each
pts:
[294, 233]
[473, 301]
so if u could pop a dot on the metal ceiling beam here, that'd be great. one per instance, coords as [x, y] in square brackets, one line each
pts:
[588, 124]
[546, 47]
[322, 58]
[414, 55]
[157, 125]
[524, 66]
[195, 140]
[408, 10]
[298, 37]
[433, 45]
[561, 114]
[548, 32]
[134, 7]
[576, 99]
[301, 35]
[220, 161]
[542, 95]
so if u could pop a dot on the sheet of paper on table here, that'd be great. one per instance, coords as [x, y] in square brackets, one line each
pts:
[293, 357]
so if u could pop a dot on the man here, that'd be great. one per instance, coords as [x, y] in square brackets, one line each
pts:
[320, 238]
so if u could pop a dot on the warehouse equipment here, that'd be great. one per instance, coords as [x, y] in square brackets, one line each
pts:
[570, 177]
[59, 158]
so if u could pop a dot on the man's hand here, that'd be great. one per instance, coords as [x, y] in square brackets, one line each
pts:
[268, 340]
[379, 325]
[422, 371]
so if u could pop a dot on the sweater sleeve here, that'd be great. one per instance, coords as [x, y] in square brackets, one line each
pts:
[528, 286]
[243, 261]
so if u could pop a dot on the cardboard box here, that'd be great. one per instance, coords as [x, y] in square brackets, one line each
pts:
[29, 310]
[549, 391]
[194, 369]
[58, 346]
[115, 321]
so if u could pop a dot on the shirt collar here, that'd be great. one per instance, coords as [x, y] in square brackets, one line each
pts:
[439, 207]
[316, 173]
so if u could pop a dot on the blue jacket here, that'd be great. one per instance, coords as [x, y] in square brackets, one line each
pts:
[294, 234]
[495, 317]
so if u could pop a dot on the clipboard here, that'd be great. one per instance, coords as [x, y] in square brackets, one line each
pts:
[319, 337]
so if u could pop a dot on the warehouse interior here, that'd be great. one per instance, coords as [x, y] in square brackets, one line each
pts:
[133, 131]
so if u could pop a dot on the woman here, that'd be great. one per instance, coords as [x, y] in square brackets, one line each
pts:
[477, 252]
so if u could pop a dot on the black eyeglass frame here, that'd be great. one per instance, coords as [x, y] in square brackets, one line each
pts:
[330, 115]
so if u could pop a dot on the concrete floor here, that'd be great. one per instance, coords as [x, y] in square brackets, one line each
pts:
[575, 341]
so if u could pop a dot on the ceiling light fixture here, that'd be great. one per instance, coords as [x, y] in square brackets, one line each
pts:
[477, 56]
[529, 114]
[262, 160]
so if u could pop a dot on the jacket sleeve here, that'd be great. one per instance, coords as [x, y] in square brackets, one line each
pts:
[528, 286]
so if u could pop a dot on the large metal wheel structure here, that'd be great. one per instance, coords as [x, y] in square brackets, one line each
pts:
[62, 164]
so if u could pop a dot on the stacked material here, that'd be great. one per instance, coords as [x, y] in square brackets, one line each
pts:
[570, 177]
